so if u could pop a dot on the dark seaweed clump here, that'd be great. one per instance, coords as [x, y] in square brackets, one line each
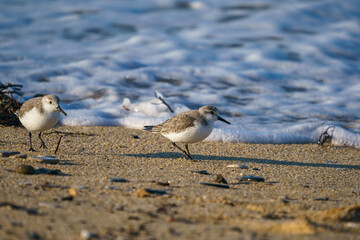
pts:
[8, 105]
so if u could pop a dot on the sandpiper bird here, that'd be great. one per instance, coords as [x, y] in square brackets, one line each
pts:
[188, 127]
[40, 114]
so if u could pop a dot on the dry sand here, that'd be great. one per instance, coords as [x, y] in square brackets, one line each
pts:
[309, 192]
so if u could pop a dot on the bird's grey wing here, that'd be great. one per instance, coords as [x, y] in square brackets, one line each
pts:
[27, 106]
[178, 123]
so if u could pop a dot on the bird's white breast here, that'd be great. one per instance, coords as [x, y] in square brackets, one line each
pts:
[33, 120]
[193, 134]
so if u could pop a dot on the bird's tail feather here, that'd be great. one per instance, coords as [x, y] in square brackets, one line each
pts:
[152, 128]
[148, 128]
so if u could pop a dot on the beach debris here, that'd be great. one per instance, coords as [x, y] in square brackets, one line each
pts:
[135, 136]
[159, 96]
[72, 192]
[147, 192]
[71, 134]
[113, 179]
[86, 234]
[45, 159]
[220, 179]
[241, 166]
[256, 169]
[163, 183]
[8, 105]
[326, 136]
[8, 153]
[219, 185]
[25, 169]
[252, 178]
[204, 172]
[58, 144]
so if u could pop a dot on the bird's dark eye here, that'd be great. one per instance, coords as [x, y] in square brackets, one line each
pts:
[50, 102]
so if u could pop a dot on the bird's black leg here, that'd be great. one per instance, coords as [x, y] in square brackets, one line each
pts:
[31, 148]
[42, 142]
[186, 154]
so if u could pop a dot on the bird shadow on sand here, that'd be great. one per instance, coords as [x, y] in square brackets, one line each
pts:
[200, 158]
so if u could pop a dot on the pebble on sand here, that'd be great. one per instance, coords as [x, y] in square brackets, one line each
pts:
[146, 192]
[252, 178]
[241, 166]
[25, 169]
[45, 159]
[86, 234]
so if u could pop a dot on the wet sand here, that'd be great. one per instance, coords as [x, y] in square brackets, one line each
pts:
[309, 192]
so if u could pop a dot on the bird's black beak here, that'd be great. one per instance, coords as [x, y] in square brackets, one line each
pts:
[62, 111]
[223, 120]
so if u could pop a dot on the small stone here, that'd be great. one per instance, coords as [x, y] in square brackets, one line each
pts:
[25, 169]
[141, 193]
[252, 178]
[220, 179]
[72, 192]
[241, 166]
[45, 159]
[163, 183]
[256, 169]
[233, 166]
[86, 234]
[117, 179]
[111, 187]
[19, 155]
[146, 192]
[8, 153]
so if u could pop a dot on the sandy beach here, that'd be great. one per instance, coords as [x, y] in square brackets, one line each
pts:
[119, 183]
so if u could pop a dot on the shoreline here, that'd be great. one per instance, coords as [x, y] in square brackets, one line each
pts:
[115, 182]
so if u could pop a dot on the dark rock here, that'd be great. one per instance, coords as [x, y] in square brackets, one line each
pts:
[25, 169]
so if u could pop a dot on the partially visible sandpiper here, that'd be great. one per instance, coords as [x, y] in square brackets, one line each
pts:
[40, 114]
[188, 127]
